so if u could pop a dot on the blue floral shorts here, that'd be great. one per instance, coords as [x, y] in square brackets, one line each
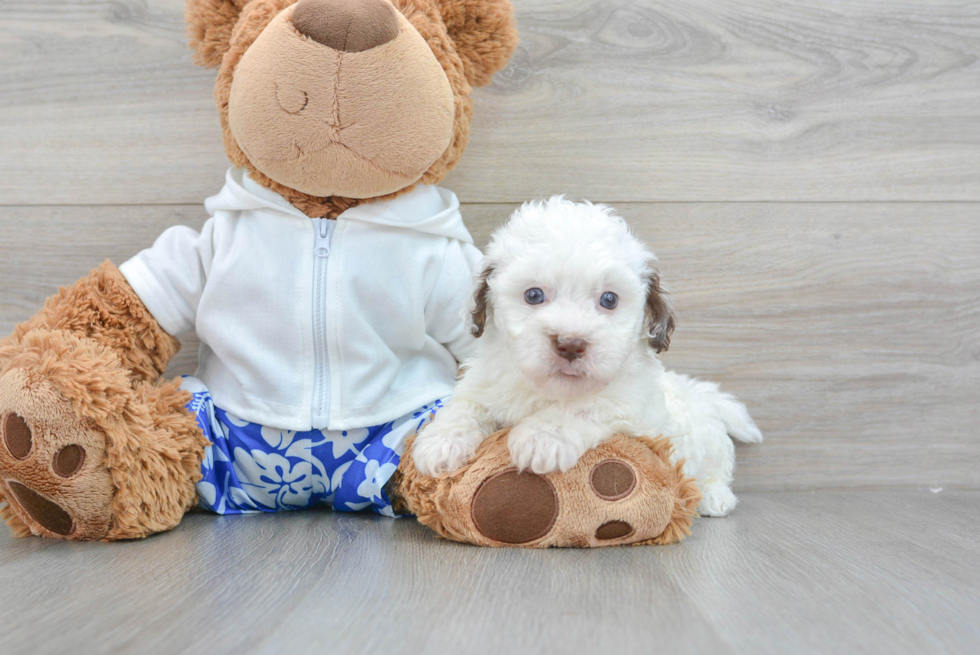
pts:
[253, 468]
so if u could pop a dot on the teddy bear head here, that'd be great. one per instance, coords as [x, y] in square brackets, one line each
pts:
[332, 103]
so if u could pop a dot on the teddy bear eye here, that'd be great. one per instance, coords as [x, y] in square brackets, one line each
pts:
[609, 300]
[534, 296]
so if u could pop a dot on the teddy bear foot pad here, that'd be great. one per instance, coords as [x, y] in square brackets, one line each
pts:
[626, 491]
[51, 470]
[517, 508]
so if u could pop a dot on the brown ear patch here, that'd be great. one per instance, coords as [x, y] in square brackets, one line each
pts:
[48, 514]
[659, 315]
[17, 436]
[481, 302]
[612, 480]
[515, 507]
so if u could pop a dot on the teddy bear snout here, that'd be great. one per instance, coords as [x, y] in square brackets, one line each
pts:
[346, 25]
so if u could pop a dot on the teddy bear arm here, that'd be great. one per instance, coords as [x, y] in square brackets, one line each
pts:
[103, 307]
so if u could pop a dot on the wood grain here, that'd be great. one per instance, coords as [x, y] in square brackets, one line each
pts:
[620, 100]
[849, 329]
[787, 572]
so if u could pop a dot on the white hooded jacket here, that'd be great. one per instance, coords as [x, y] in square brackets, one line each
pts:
[313, 323]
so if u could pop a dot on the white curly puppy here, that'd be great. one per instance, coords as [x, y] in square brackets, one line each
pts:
[572, 316]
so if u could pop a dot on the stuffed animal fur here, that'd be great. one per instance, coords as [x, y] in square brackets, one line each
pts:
[331, 104]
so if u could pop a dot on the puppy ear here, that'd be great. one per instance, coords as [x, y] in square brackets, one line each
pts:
[481, 299]
[659, 314]
[484, 33]
[209, 27]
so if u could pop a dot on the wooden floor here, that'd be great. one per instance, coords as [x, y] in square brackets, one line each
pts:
[808, 173]
[789, 572]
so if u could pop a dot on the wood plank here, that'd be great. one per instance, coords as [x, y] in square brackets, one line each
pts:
[838, 572]
[610, 99]
[850, 330]
[43, 248]
[787, 572]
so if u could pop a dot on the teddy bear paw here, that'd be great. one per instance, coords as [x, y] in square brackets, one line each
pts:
[625, 491]
[52, 471]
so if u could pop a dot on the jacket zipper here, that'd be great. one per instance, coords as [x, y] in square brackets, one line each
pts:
[323, 231]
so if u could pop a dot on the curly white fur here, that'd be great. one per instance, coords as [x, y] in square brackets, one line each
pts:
[560, 407]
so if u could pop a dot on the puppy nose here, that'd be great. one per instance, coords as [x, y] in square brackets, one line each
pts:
[570, 348]
[346, 25]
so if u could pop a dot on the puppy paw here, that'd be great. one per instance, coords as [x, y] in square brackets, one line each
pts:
[440, 450]
[716, 500]
[543, 448]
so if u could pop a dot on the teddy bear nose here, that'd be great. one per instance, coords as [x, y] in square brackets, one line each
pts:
[346, 25]
[570, 348]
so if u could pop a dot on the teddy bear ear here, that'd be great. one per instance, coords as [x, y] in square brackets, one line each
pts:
[209, 27]
[484, 33]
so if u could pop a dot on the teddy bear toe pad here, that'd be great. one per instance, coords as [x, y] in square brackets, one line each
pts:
[17, 436]
[612, 480]
[51, 471]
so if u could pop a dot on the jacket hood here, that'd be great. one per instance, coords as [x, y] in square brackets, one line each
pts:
[425, 208]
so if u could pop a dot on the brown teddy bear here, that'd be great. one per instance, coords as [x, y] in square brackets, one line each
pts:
[327, 289]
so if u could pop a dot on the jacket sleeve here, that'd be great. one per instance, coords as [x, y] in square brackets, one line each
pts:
[447, 310]
[169, 276]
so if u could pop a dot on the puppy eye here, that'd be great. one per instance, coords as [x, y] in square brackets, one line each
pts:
[609, 300]
[534, 296]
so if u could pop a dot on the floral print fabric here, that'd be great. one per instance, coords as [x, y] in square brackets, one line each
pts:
[254, 468]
